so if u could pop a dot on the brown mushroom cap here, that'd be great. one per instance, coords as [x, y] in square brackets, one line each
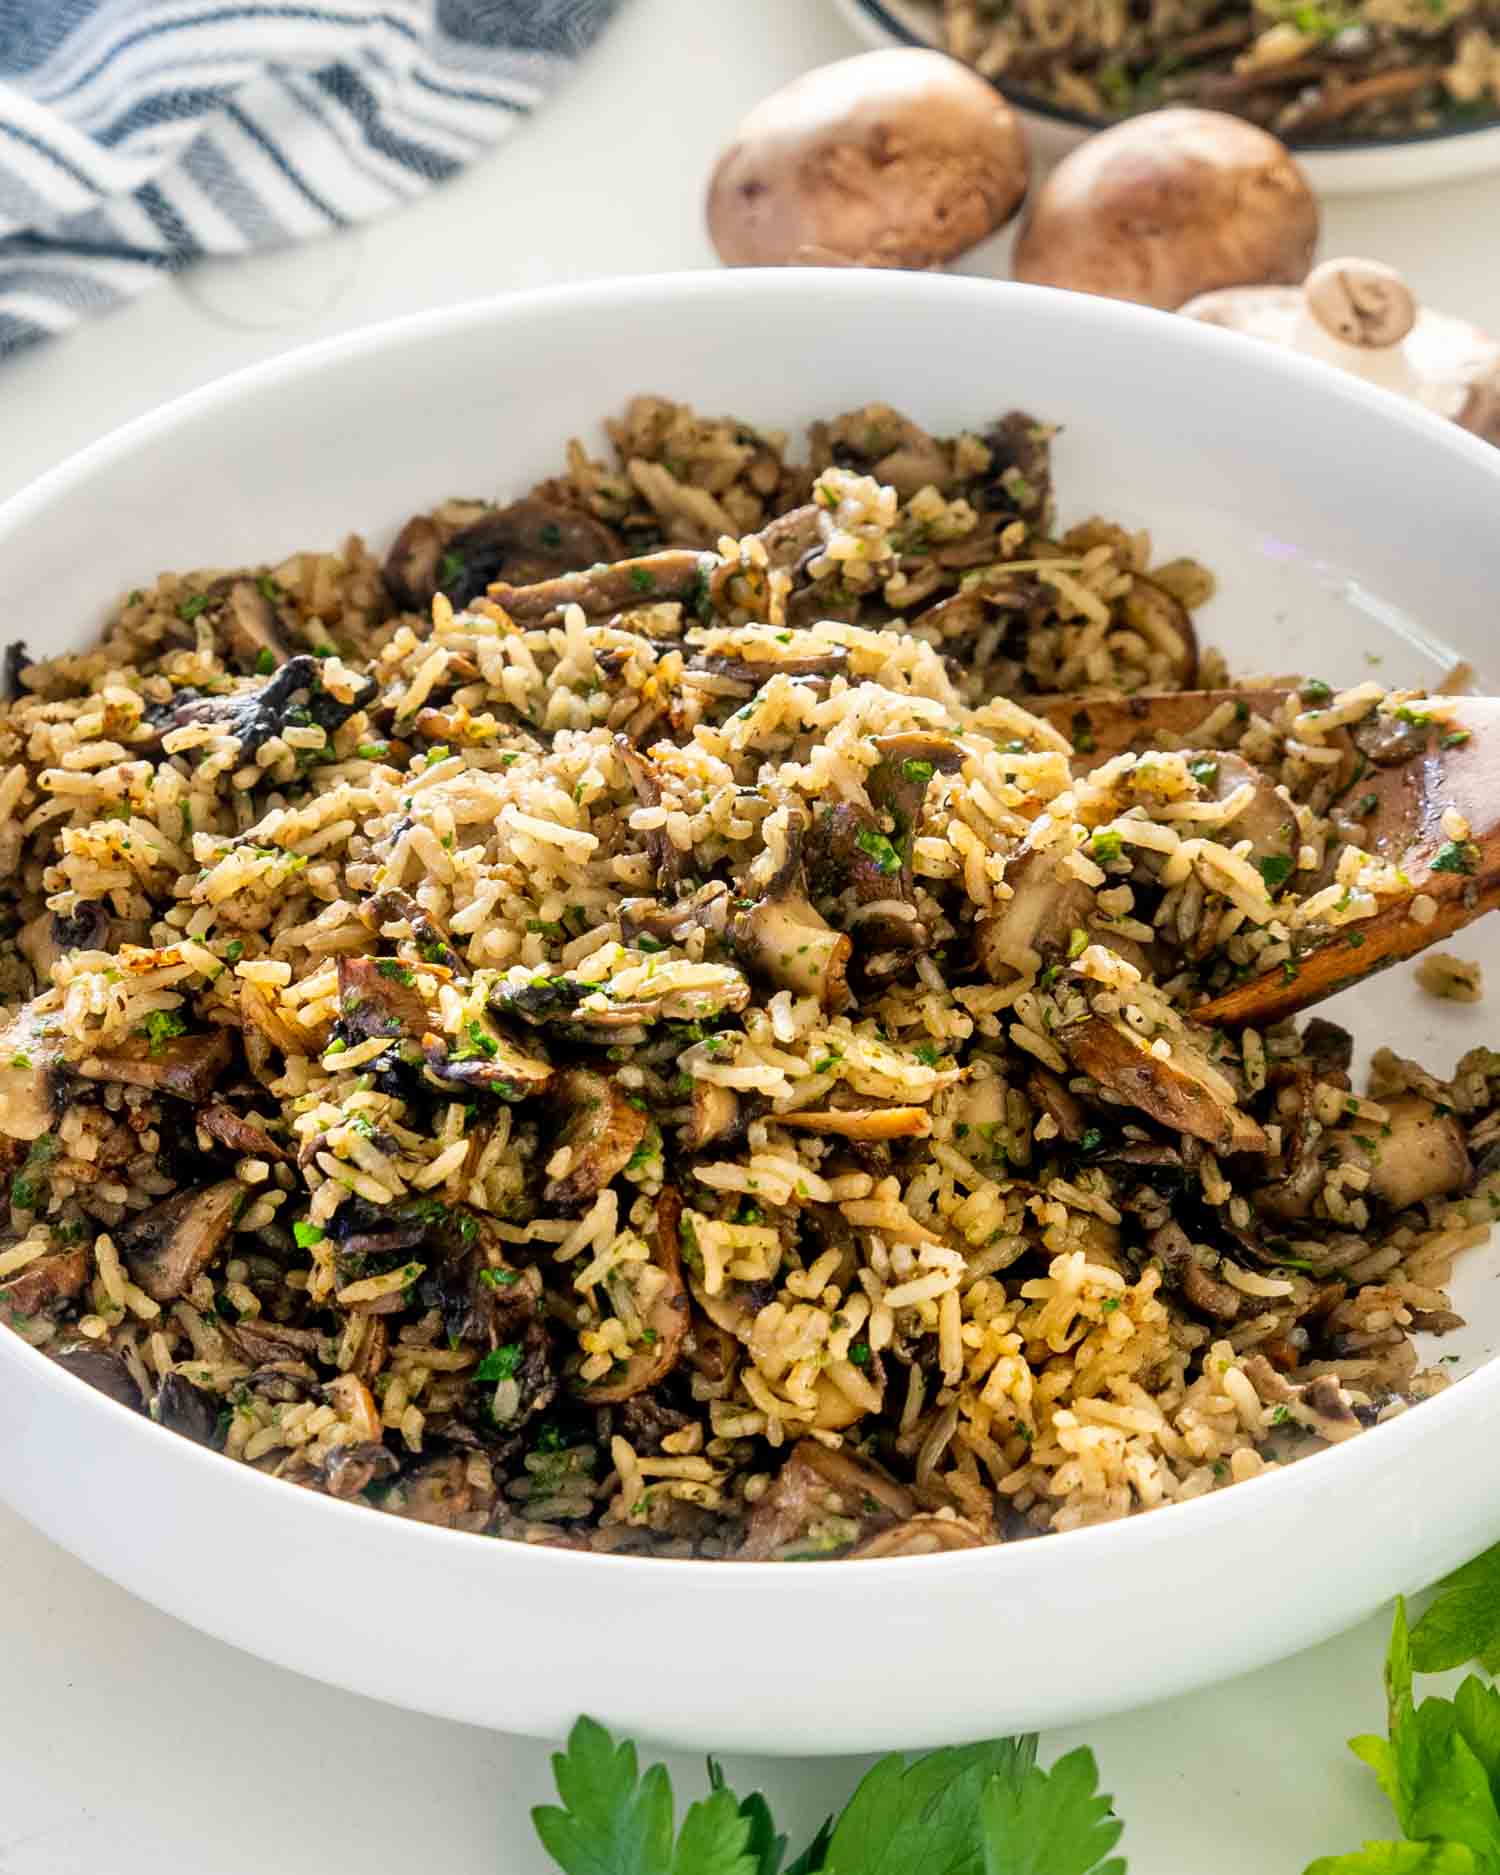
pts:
[901, 158]
[1168, 205]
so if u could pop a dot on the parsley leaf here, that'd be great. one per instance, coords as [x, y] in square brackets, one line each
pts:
[1463, 1624]
[1398, 1858]
[1436, 1767]
[614, 1821]
[1050, 1822]
[923, 1815]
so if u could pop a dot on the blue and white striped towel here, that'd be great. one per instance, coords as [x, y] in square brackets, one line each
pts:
[138, 135]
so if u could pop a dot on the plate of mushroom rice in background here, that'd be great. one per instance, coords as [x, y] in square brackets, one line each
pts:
[1387, 96]
[726, 976]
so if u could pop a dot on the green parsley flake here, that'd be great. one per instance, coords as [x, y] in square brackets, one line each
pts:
[499, 1364]
[877, 847]
[1461, 856]
[1275, 869]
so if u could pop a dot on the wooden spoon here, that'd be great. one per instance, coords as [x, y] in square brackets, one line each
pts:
[1401, 805]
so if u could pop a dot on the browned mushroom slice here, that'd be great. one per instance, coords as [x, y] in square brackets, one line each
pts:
[1185, 1091]
[1066, 1111]
[600, 1130]
[239, 1133]
[442, 1492]
[1038, 921]
[1165, 624]
[393, 907]
[350, 1469]
[1456, 768]
[677, 573]
[861, 1122]
[352, 1400]
[501, 1068]
[192, 1412]
[100, 1368]
[168, 1247]
[55, 1277]
[187, 1066]
[653, 1303]
[921, 1536]
[716, 1112]
[783, 939]
[30, 1061]
[377, 1000]
[1101, 728]
[897, 785]
[671, 863]
[464, 546]
[1319, 1405]
[825, 1499]
[1181, 1270]
[260, 1340]
[249, 626]
[1419, 1153]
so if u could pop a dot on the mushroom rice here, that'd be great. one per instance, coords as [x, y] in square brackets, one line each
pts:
[657, 1017]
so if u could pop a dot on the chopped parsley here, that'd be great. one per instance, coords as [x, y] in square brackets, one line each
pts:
[450, 568]
[500, 1363]
[1077, 943]
[1083, 734]
[160, 1026]
[1275, 869]
[642, 579]
[877, 847]
[1455, 739]
[859, 1353]
[1106, 845]
[917, 771]
[1457, 856]
[306, 1235]
[190, 608]
[1205, 772]
[1315, 693]
[265, 662]
[499, 1279]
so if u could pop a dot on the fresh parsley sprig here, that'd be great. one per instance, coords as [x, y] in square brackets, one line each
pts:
[973, 1810]
[1439, 1766]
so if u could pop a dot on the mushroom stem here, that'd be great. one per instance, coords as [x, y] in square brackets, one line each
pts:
[1358, 314]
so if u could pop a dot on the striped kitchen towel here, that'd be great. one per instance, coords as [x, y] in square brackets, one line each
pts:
[138, 135]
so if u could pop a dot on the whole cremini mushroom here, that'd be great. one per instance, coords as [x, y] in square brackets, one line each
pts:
[893, 159]
[1168, 205]
[1364, 318]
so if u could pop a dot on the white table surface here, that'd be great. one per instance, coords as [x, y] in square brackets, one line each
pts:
[130, 1744]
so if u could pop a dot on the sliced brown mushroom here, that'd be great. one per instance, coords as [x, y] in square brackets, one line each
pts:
[101, 1369]
[188, 1067]
[897, 786]
[817, 1485]
[240, 1133]
[500, 1068]
[671, 863]
[676, 573]
[377, 1000]
[30, 1064]
[921, 1536]
[349, 1470]
[464, 546]
[601, 1129]
[893, 1122]
[716, 1112]
[190, 1411]
[1418, 1153]
[250, 627]
[168, 1247]
[1063, 1107]
[783, 939]
[653, 1302]
[1038, 923]
[56, 1277]
[1319, 1405]
[393, 907]
[1184, 1091]
[1181, 1270]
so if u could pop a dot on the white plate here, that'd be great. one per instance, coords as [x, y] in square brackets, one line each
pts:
[1366, 168]
[1343, 524]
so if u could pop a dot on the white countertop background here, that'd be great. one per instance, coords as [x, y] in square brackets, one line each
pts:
[131, 1745]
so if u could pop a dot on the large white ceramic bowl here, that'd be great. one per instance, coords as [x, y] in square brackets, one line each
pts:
[1365, 166]
[1344, 525]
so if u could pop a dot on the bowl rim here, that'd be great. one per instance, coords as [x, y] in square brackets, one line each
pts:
[1360, 1459]
[1037, 106]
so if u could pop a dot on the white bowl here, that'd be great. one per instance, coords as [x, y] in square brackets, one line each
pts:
[1343, 524]
[1366, 167]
